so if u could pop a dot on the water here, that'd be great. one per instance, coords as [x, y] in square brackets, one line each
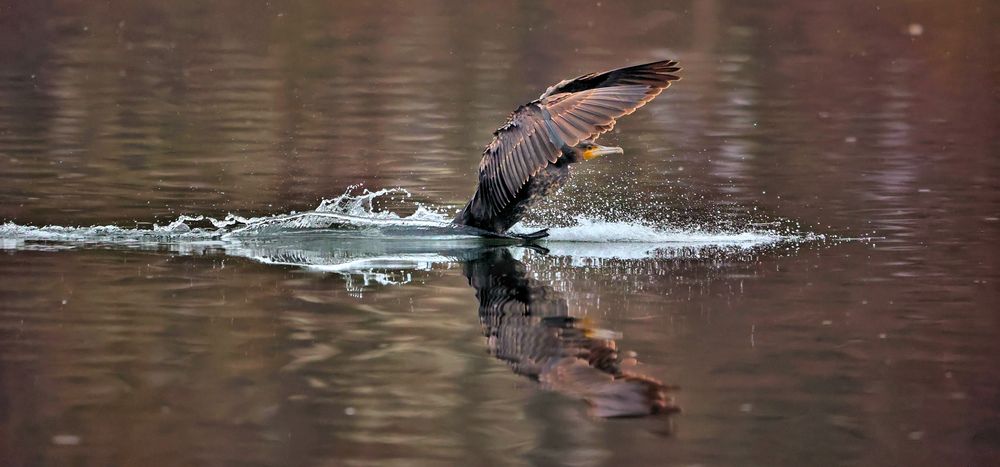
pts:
[797, 248]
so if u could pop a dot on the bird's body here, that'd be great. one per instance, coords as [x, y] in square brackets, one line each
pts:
[531, 154]
[545, 182]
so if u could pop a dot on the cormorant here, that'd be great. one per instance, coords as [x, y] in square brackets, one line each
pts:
[530, 155]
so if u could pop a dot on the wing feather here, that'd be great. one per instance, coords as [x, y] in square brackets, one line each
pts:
[579, 109]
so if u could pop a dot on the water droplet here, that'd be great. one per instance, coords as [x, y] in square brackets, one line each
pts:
[66, 440]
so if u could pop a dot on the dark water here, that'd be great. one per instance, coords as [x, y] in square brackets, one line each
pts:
[853, 119]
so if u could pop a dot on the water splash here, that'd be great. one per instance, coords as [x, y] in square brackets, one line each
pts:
[598, 230]
[350, 214]
[351, 234]
[346, 213]
[177, 230]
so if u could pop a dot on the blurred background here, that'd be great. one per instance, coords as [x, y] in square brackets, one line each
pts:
[854, 118]
[143, 110]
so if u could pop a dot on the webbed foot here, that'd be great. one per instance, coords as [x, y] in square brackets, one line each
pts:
[537, 235]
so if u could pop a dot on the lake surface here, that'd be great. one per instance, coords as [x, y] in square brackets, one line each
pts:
[797, 251]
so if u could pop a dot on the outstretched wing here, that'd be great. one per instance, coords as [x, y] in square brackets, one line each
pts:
[586, 106]
[520, 148]
[647, 74]
[567, 113]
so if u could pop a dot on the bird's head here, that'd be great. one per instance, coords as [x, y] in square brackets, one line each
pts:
[589, 150]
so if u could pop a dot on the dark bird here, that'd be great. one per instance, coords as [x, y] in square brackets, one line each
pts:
[531, 154]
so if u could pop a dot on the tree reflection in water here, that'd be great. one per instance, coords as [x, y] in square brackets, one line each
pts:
[529, 325]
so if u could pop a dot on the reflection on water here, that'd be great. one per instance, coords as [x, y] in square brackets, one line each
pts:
[184, 345]
[529, 325]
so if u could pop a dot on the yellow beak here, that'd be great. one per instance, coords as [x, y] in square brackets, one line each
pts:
[601, 151]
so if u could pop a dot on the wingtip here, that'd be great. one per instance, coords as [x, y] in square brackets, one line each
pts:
[666, 69]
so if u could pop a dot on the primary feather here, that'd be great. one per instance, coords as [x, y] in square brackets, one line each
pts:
[541, 134]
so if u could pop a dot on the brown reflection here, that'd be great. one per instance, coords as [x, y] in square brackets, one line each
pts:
[529, 325]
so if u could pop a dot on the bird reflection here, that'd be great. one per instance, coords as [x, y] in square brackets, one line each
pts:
[529, 325]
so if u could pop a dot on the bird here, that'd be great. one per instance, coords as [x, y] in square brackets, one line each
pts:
[530, 156]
